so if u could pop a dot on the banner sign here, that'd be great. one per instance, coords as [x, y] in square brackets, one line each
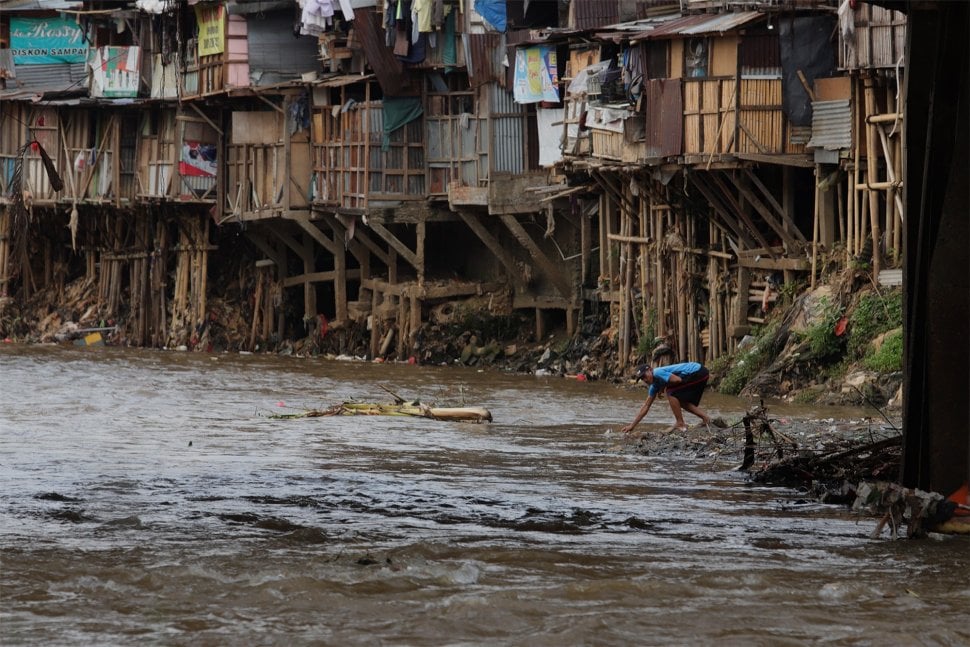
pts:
[43, 41]
[536, 75]
[198, 159]
[115, 71]
[212, 29]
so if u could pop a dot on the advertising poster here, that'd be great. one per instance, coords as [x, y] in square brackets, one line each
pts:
[536, 75]
[115, 71]
[212, 27]
[45, 41]
[198, 159]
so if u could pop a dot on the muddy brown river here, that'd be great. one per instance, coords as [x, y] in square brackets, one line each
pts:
[146, 498]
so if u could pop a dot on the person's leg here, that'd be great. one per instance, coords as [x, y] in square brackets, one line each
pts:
[696, 410]
[675, 409]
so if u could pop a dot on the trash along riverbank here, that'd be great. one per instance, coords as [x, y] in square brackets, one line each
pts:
[836, 344]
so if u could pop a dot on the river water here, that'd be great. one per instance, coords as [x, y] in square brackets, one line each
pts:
[147, 498]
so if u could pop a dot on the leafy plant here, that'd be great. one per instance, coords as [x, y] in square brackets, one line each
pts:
[788, 291]
[888, 358]
[822, 340]
[749, 362]
[649, 337]
[873, 315]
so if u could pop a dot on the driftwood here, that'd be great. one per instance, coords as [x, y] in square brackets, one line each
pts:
[757, 420]
[920, 511]
[411, 409]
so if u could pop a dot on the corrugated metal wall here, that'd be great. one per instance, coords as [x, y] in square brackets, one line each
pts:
[831, 124]
[665, 112]
[587, 14]
[508, 132]
[275, 55]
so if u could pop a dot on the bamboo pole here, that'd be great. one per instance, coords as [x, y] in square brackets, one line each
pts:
[871, 177]
[857, 160]
[815, 226]
[901, 211]
[4, 248]
[646, 201]
[659, 282]
[204, 279]
[257, 306]
[850, 217]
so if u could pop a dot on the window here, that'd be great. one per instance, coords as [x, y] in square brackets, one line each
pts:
[696, 57]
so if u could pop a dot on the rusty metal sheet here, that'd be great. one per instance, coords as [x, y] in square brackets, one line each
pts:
[485, 52]
[718, 24]
[590, 14]
[701, 25]
[760, 54]
[343, 79]
[391, 73]
[665, 115]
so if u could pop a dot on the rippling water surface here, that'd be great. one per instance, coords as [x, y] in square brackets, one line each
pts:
[146, 498]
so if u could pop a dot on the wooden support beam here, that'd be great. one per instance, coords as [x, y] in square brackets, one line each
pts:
[272, 105]
[616, 192]
[397, 245]
[419, 244]
[586, 245]
[354, 245]
[205, 118]
[316, 234]
[766, 215]
[729, 219]
[318, 277]
[340, 282]
[302, 249]
[270, 251]
[782, 213]
[361, 236]
[738, 209]
[546, 266]
[473, 223]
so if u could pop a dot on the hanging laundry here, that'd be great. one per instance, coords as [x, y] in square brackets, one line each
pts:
[316, 16]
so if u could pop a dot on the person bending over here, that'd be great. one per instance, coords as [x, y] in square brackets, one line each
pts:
[684, 385]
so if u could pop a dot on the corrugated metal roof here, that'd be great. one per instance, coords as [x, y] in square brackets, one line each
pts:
[343, 79]
[831, 125]
[38, 5]
[701, 25]
[623, 30]
[590, 14]
[34, 81]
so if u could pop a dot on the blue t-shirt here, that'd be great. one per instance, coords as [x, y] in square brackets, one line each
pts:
[661, 374]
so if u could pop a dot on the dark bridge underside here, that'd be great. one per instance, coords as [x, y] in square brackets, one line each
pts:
[936, 452]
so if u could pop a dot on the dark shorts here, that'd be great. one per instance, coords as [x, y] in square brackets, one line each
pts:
[692, 388]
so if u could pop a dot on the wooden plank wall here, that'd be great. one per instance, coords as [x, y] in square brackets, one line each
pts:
[157, 154]
[341, 145]
[760, 118]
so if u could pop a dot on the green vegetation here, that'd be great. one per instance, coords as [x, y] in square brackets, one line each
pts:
[873, 315]
[888, 358]
[822, 341]
[649, 337]
[749, 362]
[789, 291]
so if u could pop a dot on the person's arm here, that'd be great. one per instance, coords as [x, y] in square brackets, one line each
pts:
[640, 416]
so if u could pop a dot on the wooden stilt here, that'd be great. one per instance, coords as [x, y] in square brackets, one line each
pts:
[815, 226]
[872, 177]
